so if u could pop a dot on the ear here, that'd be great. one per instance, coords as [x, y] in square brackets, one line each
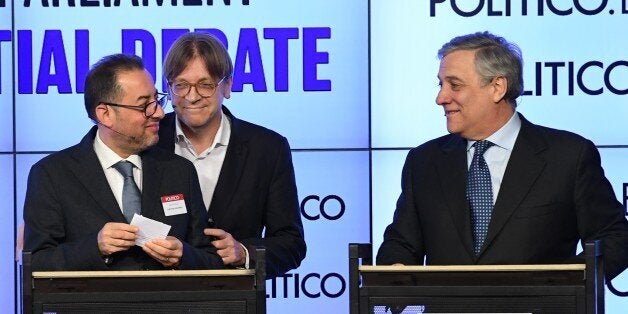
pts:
[227, 88]
[104, 115]
[500, 85]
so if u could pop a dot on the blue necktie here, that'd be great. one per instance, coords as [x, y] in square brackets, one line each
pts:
[131, 196]
[480, 194]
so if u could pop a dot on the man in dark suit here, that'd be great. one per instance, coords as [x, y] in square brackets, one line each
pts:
[245, 170]
[546, 188]
[78, 207]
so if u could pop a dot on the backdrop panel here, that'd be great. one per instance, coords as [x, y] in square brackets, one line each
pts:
[575, 77]
[301, 69]
[332, 186]
[575, 73]
[386, 172]
[614, 163]
[6, 82]
[7, 236]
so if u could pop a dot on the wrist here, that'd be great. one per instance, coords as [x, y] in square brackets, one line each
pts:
[244, 257]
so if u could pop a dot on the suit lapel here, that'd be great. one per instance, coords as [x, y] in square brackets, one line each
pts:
[524, 167]
[452, 174]
[89, 172]
[151, 176]
[167, 131]
[231, 171]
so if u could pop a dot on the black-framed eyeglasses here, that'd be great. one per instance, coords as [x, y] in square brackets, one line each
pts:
[203, 88]
[149, 108]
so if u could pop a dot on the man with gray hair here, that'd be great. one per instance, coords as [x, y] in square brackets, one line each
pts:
[499, 189]
[245, 170]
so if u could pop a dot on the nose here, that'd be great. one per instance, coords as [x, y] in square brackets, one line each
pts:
[159, 113]
[193, 95]
[442, 98]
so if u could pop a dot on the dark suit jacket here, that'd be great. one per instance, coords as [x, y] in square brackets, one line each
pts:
[553, 194]
[68, 201]
[256, 190]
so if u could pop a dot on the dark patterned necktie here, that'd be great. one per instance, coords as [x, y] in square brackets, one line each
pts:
[131, 196]
[480, 194]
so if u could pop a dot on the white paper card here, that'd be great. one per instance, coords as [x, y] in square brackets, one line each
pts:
[149, 229]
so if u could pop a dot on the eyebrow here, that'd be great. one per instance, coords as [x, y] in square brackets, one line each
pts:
[453, 78]
[203, 80]
[145, 97]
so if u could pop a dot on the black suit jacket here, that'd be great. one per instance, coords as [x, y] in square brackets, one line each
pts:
[256, 193]
[68, 201]
[553, 194]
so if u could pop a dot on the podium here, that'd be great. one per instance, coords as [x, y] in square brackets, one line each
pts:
[552, 288]
[158, 291]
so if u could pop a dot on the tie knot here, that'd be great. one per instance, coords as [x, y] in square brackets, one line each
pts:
[125, 168]
[481, 147]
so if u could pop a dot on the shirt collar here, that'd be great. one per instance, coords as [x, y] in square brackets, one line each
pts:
[222, 135]
[506, 136]
[108, 157]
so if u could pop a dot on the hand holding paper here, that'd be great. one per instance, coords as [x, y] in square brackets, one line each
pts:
[149, 229]
[153, 238]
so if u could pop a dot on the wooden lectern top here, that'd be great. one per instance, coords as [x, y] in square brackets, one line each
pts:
[144, 273]
[471, 268]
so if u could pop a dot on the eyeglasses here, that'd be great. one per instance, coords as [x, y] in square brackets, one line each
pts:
[203, 88]
[149, 109]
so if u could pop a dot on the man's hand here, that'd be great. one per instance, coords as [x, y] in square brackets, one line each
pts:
[229, 248]
[167, 251]
[116, 237]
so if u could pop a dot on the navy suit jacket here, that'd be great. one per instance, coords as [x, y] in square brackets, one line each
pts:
[256, 193]
[553, 195]
[68, 201]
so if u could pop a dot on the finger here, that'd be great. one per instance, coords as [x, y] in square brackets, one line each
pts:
[220, 244]
[115, 237]
[158, 250]
[108, 249]
[121, 226]
[124, 233]
[228, 259]
[168, 248]
[223, 252]
[164, 260]
[150, 250]
[120, 243]
[163, 243]
[218, 233]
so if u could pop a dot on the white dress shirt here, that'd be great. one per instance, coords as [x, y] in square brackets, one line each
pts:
[209, 162]
[497, 156]
[108, 158]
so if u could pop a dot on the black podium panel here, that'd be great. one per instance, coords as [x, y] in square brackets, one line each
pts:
[539, 289]
[164, 291]
[485, 300]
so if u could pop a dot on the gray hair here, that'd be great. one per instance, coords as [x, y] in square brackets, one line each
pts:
[494, 56]
[198, 44]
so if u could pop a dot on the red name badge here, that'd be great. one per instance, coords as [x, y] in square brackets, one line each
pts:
[173, 204]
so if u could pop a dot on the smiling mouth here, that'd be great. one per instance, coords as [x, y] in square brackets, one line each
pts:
[450, 112]
[194, 107]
